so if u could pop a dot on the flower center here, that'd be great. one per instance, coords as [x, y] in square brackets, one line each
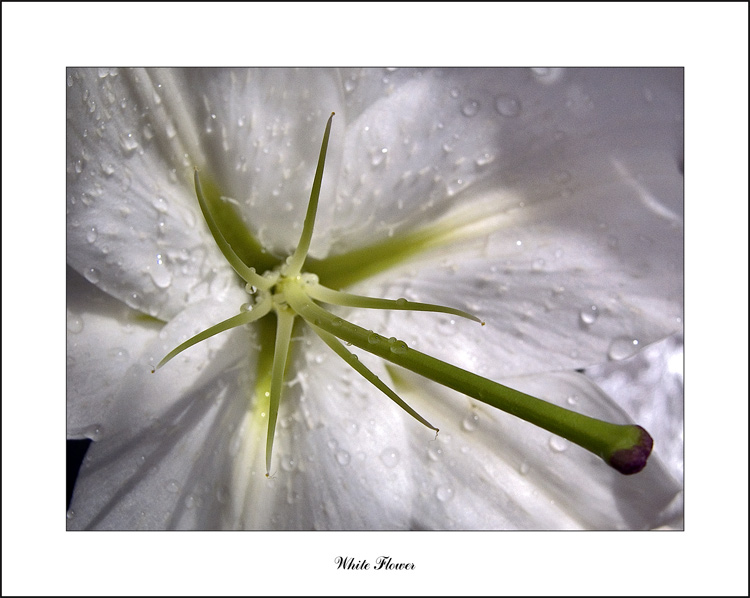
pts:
[290, 293]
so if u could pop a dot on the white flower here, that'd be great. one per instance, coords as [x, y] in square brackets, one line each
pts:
[553, 205]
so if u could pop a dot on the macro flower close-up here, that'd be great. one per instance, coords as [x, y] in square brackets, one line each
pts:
[545, 204]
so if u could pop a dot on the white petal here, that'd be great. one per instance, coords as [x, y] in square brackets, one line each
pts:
[134, 227]
[490, 470]
[104, 339]
[158, 429]
[449, 135]
[261, 131]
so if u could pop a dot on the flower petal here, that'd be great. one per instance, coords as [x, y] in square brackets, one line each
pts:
[134, 227]
[489, 470]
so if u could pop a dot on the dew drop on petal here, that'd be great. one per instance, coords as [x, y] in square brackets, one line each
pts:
[589, 314]
[92, 275]
[133, 300]
[91, 234]
[160, 275]
[507, 106]
[524, 468]
[557, 444]
[118, 353]
[343, 457]
[470, 108]
[93, 432]
[71, 514]
[390, 457]
[470, 423]
[74, 323]
[444, 493]
[622, 347]
[173, 486]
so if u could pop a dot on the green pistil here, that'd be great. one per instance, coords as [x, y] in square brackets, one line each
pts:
[290, 293]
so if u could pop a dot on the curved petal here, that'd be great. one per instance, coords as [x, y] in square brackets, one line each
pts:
[198, 462]
[261, 131]
[489, 470]
[439, 138]
[134, 227]
[104, 339]
[152, 421]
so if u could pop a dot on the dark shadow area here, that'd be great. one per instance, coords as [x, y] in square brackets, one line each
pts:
[76, 451]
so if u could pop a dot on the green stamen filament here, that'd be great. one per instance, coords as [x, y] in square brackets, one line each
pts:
[247, 274]
[332, 297]
[241, 319]
[284, 327]
[300, 254]
[357, 365]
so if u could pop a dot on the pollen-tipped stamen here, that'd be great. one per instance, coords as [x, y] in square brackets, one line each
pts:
[257, 312]
[300, 253]
[326, 295]
[367, 374]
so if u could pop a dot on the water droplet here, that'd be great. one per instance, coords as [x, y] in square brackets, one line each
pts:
[390, 457]
[557, 444]
[190, 501]
[74, 323]
[92, 275]
[337, 322]
[398, 347]
[401, 302]
[435, 454]
[343, 457]
[572, 400]
[128, 144]
[288, 463]
[118, 353]
[470, 423]
[93, 432]
[160, 275]
[133, 300]
[589, 315]
[484, 159]
[507, 106]
[373, 338]
[161, 205]
[173, 486]
[107, 169]
[524, 468]
[622, 347]
[71, 514]
[444, 493]
[470, 108]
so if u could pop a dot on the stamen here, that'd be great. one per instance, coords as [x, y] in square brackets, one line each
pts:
[258, 312]
[247, 274]
[300, 253]
[355, 363]
[342, 298]
[284, 326]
